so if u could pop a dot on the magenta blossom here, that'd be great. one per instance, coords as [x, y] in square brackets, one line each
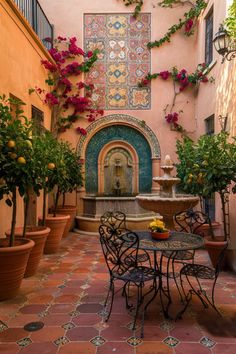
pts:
[49, 66]
[89, 54]
[188, 26]
[51, 99]
[56, 55]
[60, 38]
[172, 117]
[81, 131]
[164, 74]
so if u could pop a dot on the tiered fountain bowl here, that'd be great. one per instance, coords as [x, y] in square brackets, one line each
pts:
[167, 202]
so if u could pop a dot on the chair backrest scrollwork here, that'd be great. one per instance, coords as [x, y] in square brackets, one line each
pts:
[120, 250]
[190, 221]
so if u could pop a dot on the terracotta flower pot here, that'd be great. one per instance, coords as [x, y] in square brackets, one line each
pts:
[160, 235]
[57, 225]
[39, 235]
[214, 247]
[68, 210]
[13, 261]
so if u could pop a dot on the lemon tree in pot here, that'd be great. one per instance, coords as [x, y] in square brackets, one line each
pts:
[71, 178]
[209, 166]
[51, 169]
[14, 173]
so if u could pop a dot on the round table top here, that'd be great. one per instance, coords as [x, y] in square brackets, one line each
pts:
[178, 241]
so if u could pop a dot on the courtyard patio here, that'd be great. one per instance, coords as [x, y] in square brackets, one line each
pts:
[67, 296]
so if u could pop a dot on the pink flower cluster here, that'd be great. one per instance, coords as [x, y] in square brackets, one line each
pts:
[182, 78]
[81, 131]
[172, 117]
[74, 49]
[49, 66]
[51, 99]
[71, 69]
[57, 56]
[164, 74]
[80, 104]
[64, 93]
[188, 26]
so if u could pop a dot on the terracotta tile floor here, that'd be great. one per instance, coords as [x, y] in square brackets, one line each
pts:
[67, 295]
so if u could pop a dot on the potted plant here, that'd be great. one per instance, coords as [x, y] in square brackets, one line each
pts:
[209, 166]
[158, 230]
[37, 233]
[14, 172]
[51, 169]
[70, 179]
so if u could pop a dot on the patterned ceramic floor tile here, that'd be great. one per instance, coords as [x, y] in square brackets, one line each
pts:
[72, 316]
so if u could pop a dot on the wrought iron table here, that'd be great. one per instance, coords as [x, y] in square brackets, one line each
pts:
[178, 241]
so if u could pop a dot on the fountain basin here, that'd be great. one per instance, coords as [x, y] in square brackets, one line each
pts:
[167, 206]
[94, 206]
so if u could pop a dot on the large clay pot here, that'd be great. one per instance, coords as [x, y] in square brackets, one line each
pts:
[204, 230]
[214, 247]
[68, 210]
[39, 235]
[57, 225]
[13, 261]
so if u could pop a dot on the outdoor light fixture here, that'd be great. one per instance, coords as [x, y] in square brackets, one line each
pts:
[224, 45]
[223, 122]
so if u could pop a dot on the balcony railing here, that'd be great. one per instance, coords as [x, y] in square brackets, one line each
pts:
[36, 17]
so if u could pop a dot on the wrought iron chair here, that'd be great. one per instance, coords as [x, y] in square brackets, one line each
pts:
[200, 272]
[116, 221]
[121, 256]
[188, 221]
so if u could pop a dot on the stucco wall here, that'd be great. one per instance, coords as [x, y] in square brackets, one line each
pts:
[68, 20]
[218, 98]
[20, 69]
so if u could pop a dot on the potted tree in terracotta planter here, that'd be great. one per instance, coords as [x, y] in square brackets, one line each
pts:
[14, 172]
[49, 153]
[37, 233]
[72, 178]
[209, 166]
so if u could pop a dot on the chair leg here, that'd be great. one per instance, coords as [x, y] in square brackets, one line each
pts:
[110, 290]
[138, 303]
[175, 280]
[198, 293]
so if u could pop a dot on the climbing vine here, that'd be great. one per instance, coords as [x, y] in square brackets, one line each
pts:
[69, 100]
[181, 81]
[188, 22]
[181, 78]
[138, 7]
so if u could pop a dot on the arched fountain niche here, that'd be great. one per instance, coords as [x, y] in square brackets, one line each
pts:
[121, 153]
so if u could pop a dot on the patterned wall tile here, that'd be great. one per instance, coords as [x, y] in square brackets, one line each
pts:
[123, 59]
[121, 133]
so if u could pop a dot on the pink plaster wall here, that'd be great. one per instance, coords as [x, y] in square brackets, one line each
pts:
[68, 20]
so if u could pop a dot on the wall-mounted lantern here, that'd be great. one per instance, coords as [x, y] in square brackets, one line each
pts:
[224, 45]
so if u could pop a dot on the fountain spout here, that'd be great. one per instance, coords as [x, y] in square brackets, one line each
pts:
[167, 182]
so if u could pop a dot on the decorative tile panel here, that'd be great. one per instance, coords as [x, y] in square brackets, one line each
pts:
[123, 59]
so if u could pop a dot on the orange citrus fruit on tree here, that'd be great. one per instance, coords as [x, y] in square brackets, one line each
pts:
[51, 166]
[11, 144]
[21, 160]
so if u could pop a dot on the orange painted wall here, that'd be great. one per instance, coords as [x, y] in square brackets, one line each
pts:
[20, 69]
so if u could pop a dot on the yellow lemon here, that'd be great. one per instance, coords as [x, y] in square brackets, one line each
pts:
[21, 160]
[51, 166]
[11, 144]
